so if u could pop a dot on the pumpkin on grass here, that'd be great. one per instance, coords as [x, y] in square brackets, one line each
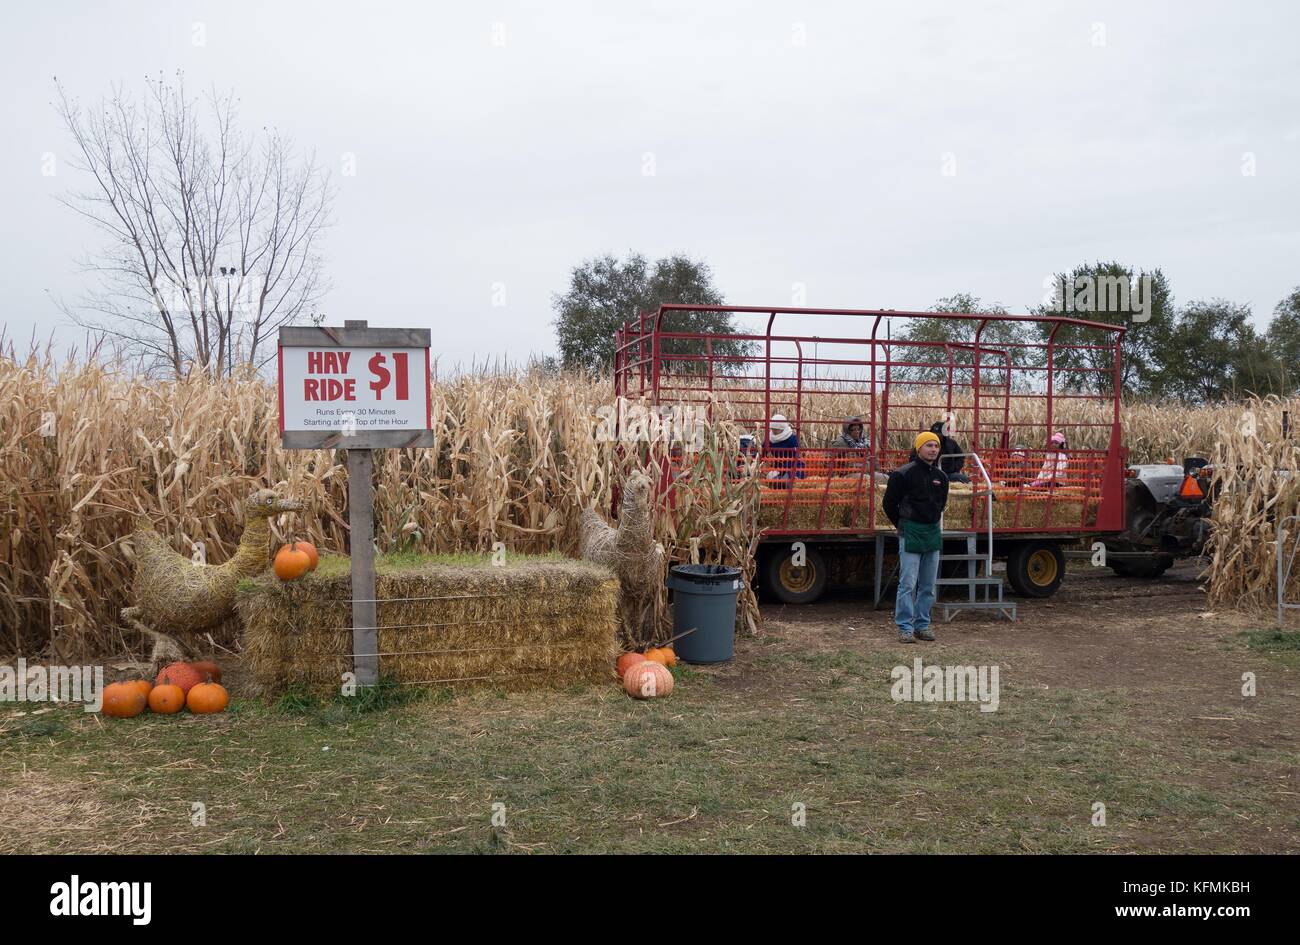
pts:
[179, 674]
[123, 700]
[291, 563]
[167, 698]
[144, 685]
[663, 655]
[207, 670]
[628, 660]
[207, 697]
[648, 680]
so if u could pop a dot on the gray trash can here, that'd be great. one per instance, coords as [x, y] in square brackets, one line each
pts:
[704, 598]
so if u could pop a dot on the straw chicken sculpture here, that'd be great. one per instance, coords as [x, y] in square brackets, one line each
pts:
[631, 552]
[173, 593]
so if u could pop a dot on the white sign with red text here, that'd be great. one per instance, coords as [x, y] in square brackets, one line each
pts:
[354, 390]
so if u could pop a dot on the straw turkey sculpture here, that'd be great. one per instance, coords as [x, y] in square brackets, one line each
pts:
[173, 592]
[631, 552]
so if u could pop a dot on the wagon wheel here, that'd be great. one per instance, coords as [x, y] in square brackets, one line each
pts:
[793, 584]
[1036, 568]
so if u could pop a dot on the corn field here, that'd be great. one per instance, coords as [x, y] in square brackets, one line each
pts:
[86, 446]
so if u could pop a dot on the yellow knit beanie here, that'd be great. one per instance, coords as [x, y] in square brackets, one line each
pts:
[923, 438]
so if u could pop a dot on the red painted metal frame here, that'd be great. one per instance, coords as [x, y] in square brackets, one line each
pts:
[634, 366]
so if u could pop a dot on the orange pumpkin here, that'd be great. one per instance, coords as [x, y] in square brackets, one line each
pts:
[207, 670]
[312, 553]
[663, 655]
[291, 563]
[207, 697]
[648, 680]
[144, 685]
[123, 700]
[628, 660]
[167, 698]
[179, 674]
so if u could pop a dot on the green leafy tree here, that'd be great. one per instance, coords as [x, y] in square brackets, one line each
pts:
[1213, 352]
[961, 331]
[1117, 295]
[604, 292]
[1283, 339]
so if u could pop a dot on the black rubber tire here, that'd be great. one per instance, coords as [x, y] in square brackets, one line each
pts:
[1148, 568]
[792, 585]
[1035, 568]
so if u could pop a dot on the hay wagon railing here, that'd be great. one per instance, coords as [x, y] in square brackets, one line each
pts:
[828, 491]
[1001, 400]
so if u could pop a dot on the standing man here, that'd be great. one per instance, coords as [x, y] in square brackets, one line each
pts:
[914, 502]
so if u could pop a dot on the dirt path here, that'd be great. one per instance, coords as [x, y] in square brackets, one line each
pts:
[1177, 666]
[1098, 631]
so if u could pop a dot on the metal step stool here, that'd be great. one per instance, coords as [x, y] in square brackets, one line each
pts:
[973, 581]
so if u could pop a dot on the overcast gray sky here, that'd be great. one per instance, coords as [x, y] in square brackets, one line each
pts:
[792, 143]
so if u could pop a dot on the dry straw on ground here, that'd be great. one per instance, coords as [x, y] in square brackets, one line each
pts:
[524, 624]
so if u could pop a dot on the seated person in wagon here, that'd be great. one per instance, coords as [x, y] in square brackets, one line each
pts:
[746, 457]
[783, 446]
[1014, 469]
[852, 448]
[951, 465]
[1055, 465]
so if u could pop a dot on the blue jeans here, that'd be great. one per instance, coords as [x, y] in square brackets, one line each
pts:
[916, 574]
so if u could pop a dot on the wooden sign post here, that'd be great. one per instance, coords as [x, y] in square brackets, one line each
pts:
[358, 389]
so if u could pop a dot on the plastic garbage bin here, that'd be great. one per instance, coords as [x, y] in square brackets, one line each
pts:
[704, 598]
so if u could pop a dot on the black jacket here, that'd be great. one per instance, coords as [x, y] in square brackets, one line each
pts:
[917, 491]
[948, 445]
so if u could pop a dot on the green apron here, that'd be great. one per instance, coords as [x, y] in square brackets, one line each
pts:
[919, 537]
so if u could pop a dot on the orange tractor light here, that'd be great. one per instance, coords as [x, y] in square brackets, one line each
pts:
[1190, 489]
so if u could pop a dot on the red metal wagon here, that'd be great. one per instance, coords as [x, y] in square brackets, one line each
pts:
[1002, 388]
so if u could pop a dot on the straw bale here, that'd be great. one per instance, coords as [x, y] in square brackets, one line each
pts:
[841, 503]
[533, 622]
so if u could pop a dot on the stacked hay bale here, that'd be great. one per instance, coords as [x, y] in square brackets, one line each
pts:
[848, 503]
[532, 622]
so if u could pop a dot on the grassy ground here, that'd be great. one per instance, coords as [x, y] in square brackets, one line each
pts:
[725, 765]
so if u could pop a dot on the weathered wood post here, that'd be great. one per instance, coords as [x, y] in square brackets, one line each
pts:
[361, 529]
[353, 388]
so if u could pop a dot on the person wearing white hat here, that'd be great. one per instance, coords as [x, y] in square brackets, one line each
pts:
[1055, 464]
[783, 447]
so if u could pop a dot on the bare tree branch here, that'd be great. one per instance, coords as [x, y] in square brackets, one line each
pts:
[213, 237]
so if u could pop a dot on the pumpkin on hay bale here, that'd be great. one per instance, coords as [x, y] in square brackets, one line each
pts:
[535, 621]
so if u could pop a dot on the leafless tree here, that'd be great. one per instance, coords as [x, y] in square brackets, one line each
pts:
[213, 235]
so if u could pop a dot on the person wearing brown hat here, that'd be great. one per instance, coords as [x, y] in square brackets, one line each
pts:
[852, 448]
[914, 502]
